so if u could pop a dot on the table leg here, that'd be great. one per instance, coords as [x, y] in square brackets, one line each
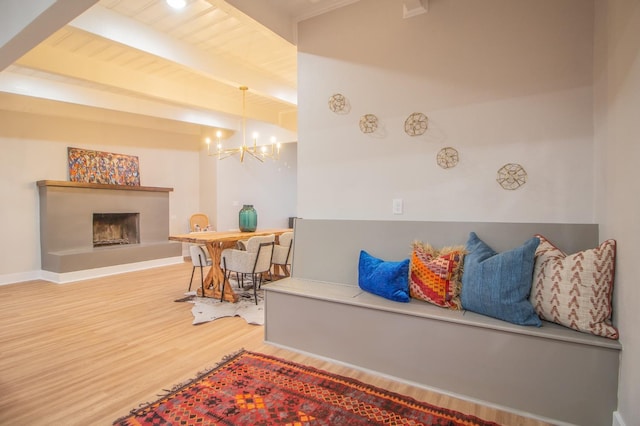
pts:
[215, 278]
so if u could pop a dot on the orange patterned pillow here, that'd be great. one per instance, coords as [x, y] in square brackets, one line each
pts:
[575, 290]
[435, 276]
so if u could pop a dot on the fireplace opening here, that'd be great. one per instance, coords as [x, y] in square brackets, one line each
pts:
[110, 229]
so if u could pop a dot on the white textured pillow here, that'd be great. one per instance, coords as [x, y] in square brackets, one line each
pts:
[575, 290]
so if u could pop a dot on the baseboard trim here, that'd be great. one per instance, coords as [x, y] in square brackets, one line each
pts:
[20, 277]
[68, 277]
[617, 419]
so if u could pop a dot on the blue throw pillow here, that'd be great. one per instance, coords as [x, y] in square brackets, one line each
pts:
[498, 284]
[387, 279]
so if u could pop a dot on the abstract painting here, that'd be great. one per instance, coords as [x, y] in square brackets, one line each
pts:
[103, 167]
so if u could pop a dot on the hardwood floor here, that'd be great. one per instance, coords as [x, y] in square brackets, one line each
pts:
[86, 353]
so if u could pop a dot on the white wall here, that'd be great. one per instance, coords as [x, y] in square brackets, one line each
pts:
[34, 147]
[617, 94]
[208, 189]
[269, 186]
[500, 80]
[551, 84]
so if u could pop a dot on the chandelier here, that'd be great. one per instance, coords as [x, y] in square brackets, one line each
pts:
[259, 152]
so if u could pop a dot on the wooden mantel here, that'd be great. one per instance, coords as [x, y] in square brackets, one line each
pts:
[101, 186]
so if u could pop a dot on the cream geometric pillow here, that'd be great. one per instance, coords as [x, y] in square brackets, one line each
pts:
[575, 290]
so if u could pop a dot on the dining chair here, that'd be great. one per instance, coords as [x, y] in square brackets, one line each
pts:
[199, 259]
[198, 222]
[282, 253]
[254, 261]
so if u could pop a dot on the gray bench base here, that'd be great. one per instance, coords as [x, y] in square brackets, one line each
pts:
[552, 373]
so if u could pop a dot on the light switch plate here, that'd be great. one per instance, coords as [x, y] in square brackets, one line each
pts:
[397, 206]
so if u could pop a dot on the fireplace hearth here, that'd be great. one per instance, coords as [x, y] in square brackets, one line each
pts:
[110, 229]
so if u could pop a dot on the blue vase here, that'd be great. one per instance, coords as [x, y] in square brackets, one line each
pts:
[248, 218]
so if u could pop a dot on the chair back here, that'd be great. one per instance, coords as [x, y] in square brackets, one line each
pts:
[263, 257]
[198, 255]
[282, 251]
[200, 219]
[263, 246]
[285, 239]
[253, 243]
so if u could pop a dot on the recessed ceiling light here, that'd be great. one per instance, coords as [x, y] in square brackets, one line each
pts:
[177, 4]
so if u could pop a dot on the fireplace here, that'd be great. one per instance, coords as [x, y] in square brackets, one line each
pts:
[110, 229]
[86, 228]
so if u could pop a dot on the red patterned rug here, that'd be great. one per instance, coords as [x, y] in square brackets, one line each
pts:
[255, 389]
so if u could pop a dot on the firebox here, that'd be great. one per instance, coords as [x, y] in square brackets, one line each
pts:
[110, 229]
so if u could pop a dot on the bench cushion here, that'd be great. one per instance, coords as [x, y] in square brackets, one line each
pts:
[499, 284]
[575, 290]
[435, 276]
[383, 278]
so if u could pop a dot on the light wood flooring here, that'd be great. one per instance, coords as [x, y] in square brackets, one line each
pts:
[86, 353]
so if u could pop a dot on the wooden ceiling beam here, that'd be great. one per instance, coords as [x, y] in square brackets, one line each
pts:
[25, 24]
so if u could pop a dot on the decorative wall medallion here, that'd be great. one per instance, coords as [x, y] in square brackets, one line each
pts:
[447, 157]
[338, 104]
[368, 123]
[415, 124]
[512, 176]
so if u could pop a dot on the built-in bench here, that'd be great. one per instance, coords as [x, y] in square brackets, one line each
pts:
[552, 372]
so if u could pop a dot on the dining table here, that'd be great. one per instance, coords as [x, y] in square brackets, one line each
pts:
[215, 242]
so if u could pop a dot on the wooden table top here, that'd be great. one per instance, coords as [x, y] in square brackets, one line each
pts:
[204, 237]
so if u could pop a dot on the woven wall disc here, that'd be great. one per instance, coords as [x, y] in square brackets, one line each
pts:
[447, 157]
[415, 124]
[337, 103]
[368, 123]
[512, 176]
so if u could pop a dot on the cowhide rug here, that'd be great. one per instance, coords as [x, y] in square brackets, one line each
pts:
[207, 309]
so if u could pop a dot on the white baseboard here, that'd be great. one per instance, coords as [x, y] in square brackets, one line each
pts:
[617, 419]
[68, 277]
[20, 277]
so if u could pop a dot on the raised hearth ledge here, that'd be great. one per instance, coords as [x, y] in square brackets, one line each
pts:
[65, 183]
[69, 277]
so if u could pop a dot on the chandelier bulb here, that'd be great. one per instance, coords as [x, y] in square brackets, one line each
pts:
[258, 152]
